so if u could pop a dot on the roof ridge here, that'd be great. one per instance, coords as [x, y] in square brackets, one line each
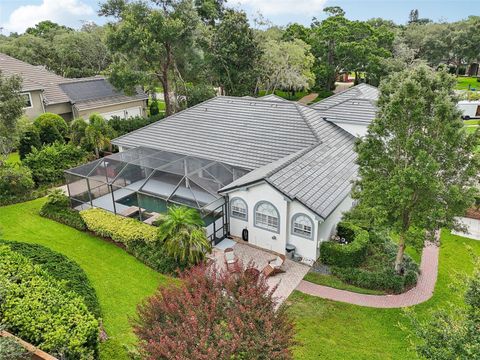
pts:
[300, 111]
[294, 158]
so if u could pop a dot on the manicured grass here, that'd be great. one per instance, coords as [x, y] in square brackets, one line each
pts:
[333, 281]
[471, 122]
[285, 94]
[464, 81]
[121, 281]
[13, 158]
[471, 129]
[334, 330]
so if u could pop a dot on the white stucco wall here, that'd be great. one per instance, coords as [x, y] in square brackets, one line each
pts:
[354, 129]
[261, 237]
[307, 248]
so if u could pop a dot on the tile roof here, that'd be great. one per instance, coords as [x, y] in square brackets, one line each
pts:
[286, 144]
[361, 91]
[238, 131]
[57, 89]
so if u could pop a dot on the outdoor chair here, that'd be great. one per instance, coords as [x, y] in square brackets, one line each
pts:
[274, 266]
[230, 259]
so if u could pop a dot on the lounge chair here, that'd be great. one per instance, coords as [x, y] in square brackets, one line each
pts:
[230, 259]
[274, 266]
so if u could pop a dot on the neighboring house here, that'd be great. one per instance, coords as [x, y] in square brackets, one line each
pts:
[272, 171]
[45, 91]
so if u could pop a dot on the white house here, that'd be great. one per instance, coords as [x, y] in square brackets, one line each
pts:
[270, 171]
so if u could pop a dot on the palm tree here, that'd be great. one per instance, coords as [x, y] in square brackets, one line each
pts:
[98, 133]
[183, 236]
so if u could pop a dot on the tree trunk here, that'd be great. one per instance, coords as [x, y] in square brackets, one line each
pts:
[166, 92]
[400, 252]
[97, 152]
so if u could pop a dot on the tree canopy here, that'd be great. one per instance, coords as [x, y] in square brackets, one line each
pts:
[417, 164]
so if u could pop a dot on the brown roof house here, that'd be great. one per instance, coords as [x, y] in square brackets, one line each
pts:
[45, 91]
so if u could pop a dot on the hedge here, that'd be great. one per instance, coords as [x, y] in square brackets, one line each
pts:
[351, 254]
[59, 267]
[39, 309]
[386, 279]
[15, 181]
[58, 208]
[118, 228]
[124, 126]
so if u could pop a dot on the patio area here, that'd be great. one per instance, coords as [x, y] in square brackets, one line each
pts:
[472, 226]
[287, 281]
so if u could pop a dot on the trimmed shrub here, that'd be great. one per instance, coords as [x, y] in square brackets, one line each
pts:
[51, 128]
[57, 207]
[118, 228]
[29, 139]
[15, 181]
[47, 165]
[351, 254]
[154, 255]
[386, 279]
[40, 310]
[61, 268]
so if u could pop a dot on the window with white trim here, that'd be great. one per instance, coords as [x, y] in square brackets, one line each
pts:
[266, 216]
[28, 100]
[302, 226]
[238, 209]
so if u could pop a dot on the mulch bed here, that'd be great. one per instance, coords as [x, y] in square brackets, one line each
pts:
[473, 213]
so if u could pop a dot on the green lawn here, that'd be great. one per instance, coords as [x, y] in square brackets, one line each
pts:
[471, 122]
[121, 281]
[464, 81]
[13, 158]
[333, 330]
[333, 281]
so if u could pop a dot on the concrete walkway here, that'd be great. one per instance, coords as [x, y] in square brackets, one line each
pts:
[420, 293]
[472, 226]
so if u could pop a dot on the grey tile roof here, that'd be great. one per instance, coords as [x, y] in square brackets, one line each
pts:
[237, 131]
[319, 176]
[272, 97]
[286, 144]
[361, 91]
[57, 89]
[351, 111]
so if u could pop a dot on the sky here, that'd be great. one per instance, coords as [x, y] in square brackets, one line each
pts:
[17, 15]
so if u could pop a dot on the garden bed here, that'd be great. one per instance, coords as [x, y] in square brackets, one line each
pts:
[364, 261]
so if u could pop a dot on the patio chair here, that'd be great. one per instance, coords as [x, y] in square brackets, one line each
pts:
[274, 266]
[230, 259]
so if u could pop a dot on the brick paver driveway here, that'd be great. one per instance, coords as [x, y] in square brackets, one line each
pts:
[420, 293]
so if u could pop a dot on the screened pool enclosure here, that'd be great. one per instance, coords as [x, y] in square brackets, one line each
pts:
[143, 182]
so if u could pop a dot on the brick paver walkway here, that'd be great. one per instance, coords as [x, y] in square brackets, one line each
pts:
[420, 293]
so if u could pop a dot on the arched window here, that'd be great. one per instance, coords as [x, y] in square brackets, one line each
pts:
[238, 209]
[302, 226]
[266, 216]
